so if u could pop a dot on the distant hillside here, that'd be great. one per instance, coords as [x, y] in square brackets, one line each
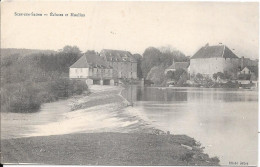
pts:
[24, 52]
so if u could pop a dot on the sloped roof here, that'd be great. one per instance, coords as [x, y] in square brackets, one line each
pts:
[90, 60]
[214, 51]
[253, 69]
[182, 65]
[171, 66]
[178, 65]
[117, 55]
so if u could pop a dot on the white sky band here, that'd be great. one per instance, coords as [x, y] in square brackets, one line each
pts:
[133, 26]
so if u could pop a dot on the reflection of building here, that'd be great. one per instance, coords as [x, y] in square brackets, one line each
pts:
[123, 63]
[92, 68]
[213, 59]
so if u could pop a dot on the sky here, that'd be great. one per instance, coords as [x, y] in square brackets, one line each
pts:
[133, 26]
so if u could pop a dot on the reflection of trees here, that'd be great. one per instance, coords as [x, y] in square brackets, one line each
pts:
[222, 95]
[191, 95]
[155, 94]
[177, 95]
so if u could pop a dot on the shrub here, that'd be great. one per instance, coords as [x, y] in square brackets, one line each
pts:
[64, 87]
[27, 97]
[21, 99]
[186, 156]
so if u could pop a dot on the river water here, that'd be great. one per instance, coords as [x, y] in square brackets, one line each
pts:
[225, 121]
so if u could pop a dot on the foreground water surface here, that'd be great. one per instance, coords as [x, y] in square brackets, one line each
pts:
[223, 120]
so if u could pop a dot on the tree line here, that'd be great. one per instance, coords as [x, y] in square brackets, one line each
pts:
[28, 81]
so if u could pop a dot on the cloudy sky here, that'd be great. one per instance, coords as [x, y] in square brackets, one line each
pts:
[132, 26]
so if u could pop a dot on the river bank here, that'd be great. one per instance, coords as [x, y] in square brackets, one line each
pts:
[99, 131]
[105, 149]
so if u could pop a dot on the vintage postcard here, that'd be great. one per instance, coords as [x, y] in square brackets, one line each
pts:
[125, 83]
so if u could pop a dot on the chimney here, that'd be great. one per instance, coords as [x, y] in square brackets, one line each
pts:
[207, 45]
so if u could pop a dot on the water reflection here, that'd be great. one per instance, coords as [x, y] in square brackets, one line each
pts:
[223, 120]
[188, 94]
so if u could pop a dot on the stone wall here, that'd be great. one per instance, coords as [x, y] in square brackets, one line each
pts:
[124, 69]
[209, 66]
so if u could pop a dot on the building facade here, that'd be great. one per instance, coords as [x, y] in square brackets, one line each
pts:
[123, 63]
[93, 69]
[213, 59]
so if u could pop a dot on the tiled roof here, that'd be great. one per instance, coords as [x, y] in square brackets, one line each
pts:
[171, 66]
[182, 65]
[214, 51]
[178, 65]
[117, 55]
[90, 60]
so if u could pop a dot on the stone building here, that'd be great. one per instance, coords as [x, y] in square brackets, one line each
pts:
[123, 63]
[249, 73]
[93, 69]
[213, 59]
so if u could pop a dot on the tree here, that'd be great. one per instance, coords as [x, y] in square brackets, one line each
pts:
[151, 58]
[139, 58]
[66, 57]
[169, 75]
[199, 78]
[215, 76]
[174, 53]
[227, 75]
[70, 49]
[221, 75]
[91, 52]
[156, 75]
[163, 56]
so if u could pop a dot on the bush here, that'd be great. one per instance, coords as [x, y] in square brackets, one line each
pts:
[21, 98]
[64, 87]
[186, 156]
[27, 97]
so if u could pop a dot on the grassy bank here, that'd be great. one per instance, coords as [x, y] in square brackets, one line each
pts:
[26, 97]
[28, 81]
[106, 149]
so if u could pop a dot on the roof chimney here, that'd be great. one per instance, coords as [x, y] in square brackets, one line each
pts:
[207, 45]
